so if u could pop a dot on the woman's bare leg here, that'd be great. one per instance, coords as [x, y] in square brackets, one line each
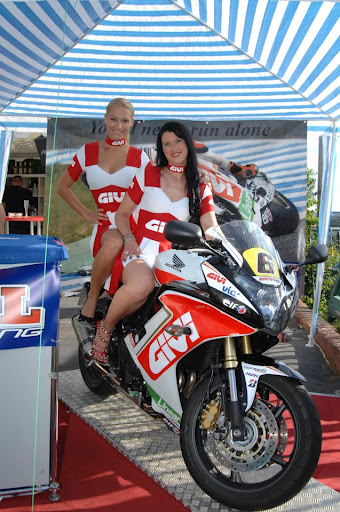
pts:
[101, 268]
[138, 282]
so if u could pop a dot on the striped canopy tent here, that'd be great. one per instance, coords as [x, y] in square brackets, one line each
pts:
[183, 59]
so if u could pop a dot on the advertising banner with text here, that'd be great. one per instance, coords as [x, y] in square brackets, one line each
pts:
[275, 199]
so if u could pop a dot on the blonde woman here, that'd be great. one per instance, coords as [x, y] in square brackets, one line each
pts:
[109, 167]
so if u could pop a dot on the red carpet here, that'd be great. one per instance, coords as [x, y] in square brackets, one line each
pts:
[328, 469]
[94, 476]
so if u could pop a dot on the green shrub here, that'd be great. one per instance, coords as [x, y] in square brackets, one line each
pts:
[312, 222]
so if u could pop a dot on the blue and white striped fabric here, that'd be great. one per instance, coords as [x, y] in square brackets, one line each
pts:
[184, 59]
[35, 34]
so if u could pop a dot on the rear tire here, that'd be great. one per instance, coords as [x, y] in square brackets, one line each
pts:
[93, 379]
[285, 216]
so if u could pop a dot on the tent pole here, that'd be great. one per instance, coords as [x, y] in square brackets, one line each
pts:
[6, 137]
[325, 214]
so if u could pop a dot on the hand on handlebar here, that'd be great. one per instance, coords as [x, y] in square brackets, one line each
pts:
[131, 249]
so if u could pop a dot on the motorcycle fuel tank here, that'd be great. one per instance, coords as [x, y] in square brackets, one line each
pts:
[177, 265]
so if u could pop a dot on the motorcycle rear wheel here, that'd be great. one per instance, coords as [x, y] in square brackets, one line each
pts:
[279, 455]
[93, 379]
[285, 216]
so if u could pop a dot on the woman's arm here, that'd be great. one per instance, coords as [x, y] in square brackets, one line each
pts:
[208, 220]
[64, 190]
[122, 219]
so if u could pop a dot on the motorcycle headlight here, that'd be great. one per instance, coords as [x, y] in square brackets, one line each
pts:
[274, 303]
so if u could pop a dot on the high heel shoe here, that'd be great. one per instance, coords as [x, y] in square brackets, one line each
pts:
[99, 352]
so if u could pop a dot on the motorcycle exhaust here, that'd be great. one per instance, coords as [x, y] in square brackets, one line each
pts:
[84, 333]
[85, 337]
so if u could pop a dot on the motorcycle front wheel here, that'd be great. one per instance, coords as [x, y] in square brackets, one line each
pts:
[272, 464]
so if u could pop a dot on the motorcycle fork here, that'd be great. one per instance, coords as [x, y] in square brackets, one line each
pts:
[230, 365]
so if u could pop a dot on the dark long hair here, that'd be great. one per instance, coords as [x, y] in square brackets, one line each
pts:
[191, 172]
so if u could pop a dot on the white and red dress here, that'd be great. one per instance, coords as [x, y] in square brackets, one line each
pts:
[108, 190]
[154, 211]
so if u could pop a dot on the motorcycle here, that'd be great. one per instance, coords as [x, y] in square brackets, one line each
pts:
[254, 199]
[195, 357]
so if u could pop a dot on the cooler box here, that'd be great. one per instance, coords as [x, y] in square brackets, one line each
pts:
[29, 317]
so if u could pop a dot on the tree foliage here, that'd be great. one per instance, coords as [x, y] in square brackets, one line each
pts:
[330, 275]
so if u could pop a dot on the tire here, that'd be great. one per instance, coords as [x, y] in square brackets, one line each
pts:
[285, 217]
[93, 379]
[271, 466]
[225, 211]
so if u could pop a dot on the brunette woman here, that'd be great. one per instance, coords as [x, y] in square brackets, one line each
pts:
[170, 190]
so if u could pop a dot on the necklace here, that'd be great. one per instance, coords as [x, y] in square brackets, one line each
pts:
[177, 168]
[111, 142]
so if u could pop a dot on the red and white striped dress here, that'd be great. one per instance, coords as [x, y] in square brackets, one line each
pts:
[153, 212]
[108, 190]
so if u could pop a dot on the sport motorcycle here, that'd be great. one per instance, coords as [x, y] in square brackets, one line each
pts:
[195, 356]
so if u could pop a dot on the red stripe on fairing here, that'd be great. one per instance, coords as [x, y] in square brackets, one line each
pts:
[222, 186]
[209, 322]
[165, 277]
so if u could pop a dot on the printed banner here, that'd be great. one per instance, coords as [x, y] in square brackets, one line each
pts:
[275, 198]
[29, 306]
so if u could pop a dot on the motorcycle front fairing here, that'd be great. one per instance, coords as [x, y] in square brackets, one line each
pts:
[186, 304]
[157, 353]
[261, 276]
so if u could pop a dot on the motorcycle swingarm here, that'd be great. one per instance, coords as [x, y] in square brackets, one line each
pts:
[252, 372]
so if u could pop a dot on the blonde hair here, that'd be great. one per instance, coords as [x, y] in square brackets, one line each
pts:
[121, 102]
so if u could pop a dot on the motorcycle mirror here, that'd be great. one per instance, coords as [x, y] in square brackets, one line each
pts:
[183, 233]
[316, 254]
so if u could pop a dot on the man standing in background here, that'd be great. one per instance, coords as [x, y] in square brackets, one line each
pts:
[14, 197]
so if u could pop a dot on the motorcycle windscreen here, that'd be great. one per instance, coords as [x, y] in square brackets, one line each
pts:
[260, 277]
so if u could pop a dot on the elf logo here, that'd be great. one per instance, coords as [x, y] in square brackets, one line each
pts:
[156, 225]
[166, 349]
[111, 197]
[14, 308]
